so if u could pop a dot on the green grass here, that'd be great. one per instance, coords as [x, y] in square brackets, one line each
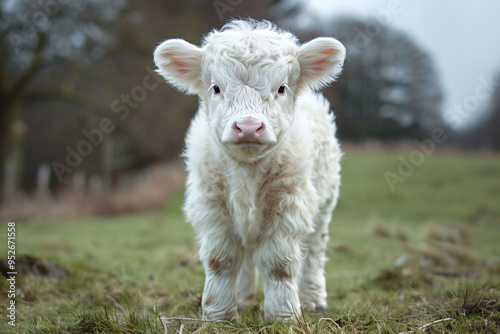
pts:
[125, 272]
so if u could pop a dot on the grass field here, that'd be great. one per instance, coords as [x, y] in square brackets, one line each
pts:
[425, 257]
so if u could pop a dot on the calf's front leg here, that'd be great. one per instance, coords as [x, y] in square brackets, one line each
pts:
[221, 258]
[278, 260]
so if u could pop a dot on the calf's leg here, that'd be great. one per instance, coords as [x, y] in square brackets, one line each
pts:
[221, 258]
[278, 262]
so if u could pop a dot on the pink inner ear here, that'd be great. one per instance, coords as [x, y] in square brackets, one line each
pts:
[180, 67]
[329, 51]
[320, 62]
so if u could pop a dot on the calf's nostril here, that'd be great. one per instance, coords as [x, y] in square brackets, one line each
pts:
[260, 129]
[237, 128]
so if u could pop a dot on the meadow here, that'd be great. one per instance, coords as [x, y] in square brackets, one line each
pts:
[422, 258]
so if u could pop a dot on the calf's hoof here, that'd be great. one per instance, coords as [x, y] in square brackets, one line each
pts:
[321, 308]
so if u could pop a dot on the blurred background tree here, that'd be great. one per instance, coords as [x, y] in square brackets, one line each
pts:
[389, 89]
[45, 46]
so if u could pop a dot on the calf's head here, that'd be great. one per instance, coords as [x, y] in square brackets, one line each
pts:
[248, 76]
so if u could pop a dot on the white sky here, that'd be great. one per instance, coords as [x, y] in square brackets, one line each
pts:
[462, 36]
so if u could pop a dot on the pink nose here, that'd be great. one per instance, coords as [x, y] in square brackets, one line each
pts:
[248, 130]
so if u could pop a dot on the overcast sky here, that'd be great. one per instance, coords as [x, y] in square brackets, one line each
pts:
[463, 37]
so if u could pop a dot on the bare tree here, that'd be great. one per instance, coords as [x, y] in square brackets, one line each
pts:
[389, 88]
[44, 46]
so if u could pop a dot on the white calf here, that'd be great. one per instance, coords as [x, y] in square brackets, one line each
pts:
[262, 161]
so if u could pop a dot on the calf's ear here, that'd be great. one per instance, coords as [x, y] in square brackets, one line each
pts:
[321, 61]
[179, 62]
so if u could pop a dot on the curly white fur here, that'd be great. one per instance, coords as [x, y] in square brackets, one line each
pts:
[266, 205]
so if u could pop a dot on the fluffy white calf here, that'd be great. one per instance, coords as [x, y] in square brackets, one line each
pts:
[262, 161]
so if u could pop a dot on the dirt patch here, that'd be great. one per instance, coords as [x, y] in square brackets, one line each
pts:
[31, 265]
[443, 253]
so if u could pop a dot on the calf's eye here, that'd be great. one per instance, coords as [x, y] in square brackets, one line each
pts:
[216, 89]
[281, 90]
